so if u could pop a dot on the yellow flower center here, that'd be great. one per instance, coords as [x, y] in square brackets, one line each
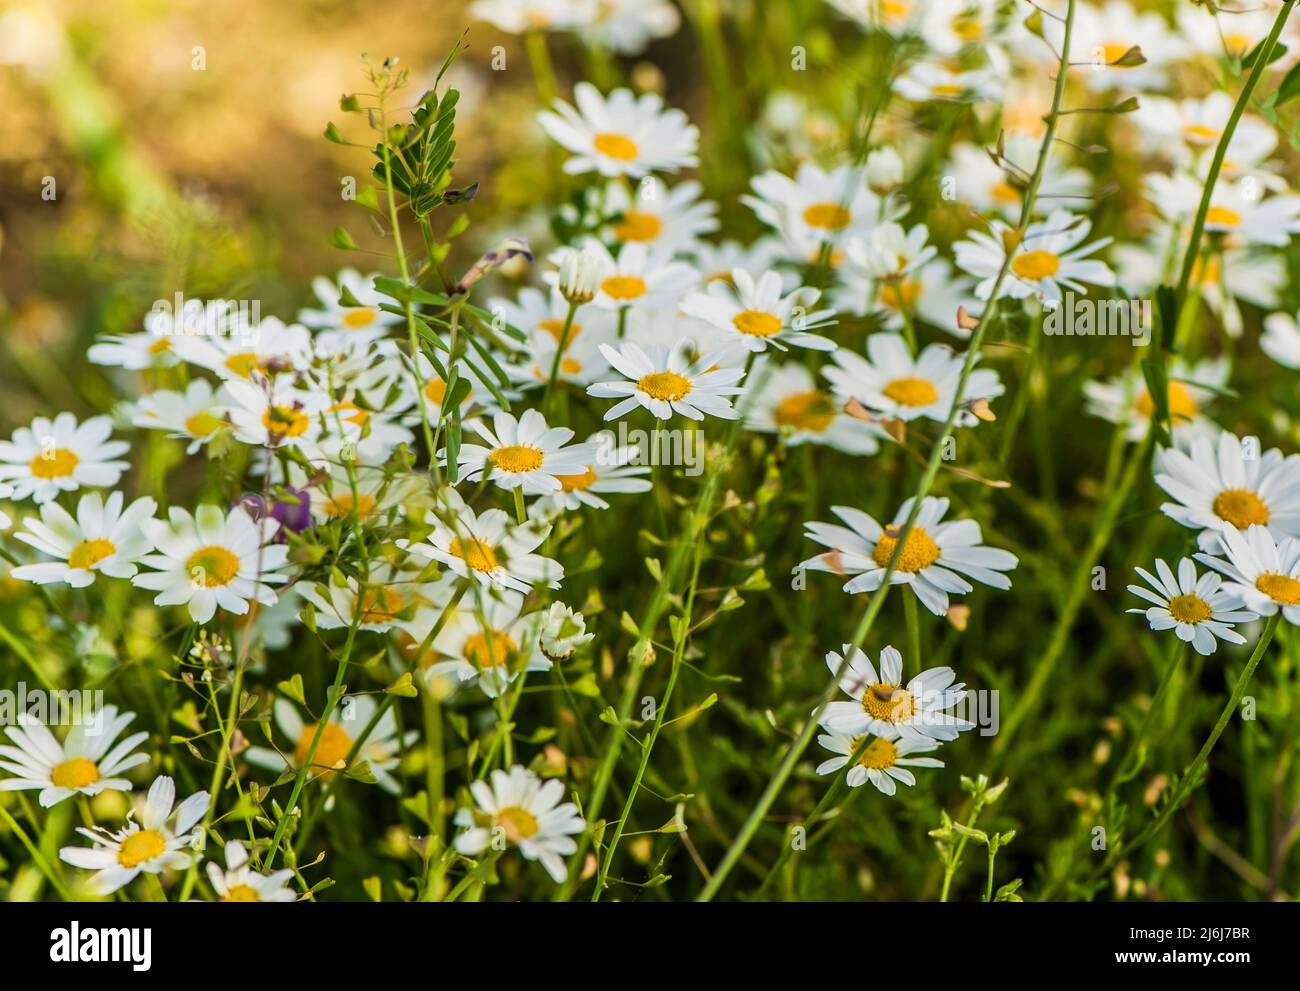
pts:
[811, 410]
[897, 295]
[624, 286]
[212, 566]
[616, 146]
[638, 225]
[1034, 265]
[555, 327]
[968, 26]
[880, 754]
[518, 824]
[1114, 51]
[1241, 508]
[243, 364]
[1189, 609]
[667, 386]
[920, 551]
[355, 319]
[343, 504]
[1004, 192]
[1199, 132]
[488, 652]
[435, 390]
[1223, 216]
[57, 462]
[75, 773]
[284, 421]
[380, 605]
[203, 424]
[516, 458]
[1238, 43]
[89, 553]
[241, 893]
[160, 346]
[912, 391]
[478, 555]
[889, 702]
[827, 216]
[756, 323]
[946, 89]
[350, 412]
[1182, 405]
[331, 752]
[140, 846]
[1282, 589]
[576, 483]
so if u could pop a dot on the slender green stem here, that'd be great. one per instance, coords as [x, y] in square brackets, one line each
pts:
[38, 858]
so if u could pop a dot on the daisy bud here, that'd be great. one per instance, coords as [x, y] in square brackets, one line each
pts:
[581, 273]
[884, 170]
[563, 632]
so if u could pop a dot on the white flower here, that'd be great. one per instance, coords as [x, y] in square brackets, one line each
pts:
[524, 453]
[930, 561]
[103, 538]
[666, 382]
[164, 326]
[927, 81]
[53, 456]
[668, 220]
[1196, 609]
[563, 632]
[628, 26]
[1102, 35]
[1281, 339]
[1046, 259]
[267, 348]
[895, 16]
[612, 469]
[333, 315]
[884, 170]
[754, 314]
[890, 383]
[621, 134]
[84, 764]
[1240, 210]
[274, 415]
[637, 277]
[1215, 483]
[521, 16]
[213, 559]
[948, 26]
[1125, 399]
[240, 883]
[580, 273]
[520, 809]
[789, 403]
[151, 846]
[389, 599]
[816, 207]
[883, 762]
[883, 707]
[987, 186]
[492, 643]
[1263, 572]
[194, 415]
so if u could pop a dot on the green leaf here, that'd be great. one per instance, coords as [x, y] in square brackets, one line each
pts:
[332, 134]
[1289, 88]
[292, 689]
[403, 687]
[342, 240]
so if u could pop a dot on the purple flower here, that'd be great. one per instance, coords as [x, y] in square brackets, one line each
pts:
[292, 510]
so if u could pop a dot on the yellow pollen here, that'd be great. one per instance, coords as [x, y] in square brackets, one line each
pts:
[350, 412]
[1182, 406]
[516, 458]
[880, 754]
[1238, 43]
[946, 89]
[284, 421]
[518, 824]
[343, 504]
[912, 391]
[56, 463]
[889, 703]
[380, 605]
[478, 652]
[666, 386]
[827, 216]
[1241, 508]
[478, 555]
[203, 424]
[638, 225]
[756, 323]
[89, 553]
[1004, 192]
[616, 146]
[1282, 589]
[968, 26]
[243, 364]
[919, 552]
[355, 319]
[435, 390]
[212, 566]
[1189, 609]
[241, 893]
[160, 346]
[333, 749]
[75, 773]
[555, 327]
[1223, 216]
[1114, 51]
[141, 846]
[1035, 265]
[624, 286]
[897, 295]
[1200, 132]
[812, 411]
[576, 483]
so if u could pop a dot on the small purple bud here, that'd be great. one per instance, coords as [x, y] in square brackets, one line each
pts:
[294, 512]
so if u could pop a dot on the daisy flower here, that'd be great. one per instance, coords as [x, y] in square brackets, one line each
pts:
[1198, 610]
[948, 26]
[789, 403]
[1264, 573]
[1102, 35]
[1240, 210]
[493, 648]
[103, 538]
[1051, 255]
[665, 381]
[628, 26]
[525, 453]
[894, 16]
[755, 313]
[716, 262]
[53, 456]
[270, 414]
[522, 16]
[987, 187]
[1281, 339]
[637, 277]
[621, 134]
[612, 469]
[543, 312]
[1230, 32]
[333, 315]
[268, 347]
[212, 559]
[884, 707]
[240, 883]
[386, 601]
[932, 560]
[815, 207]
[1125, 399]
[1215, 483]
[932, 294]
[194, 415]
[382, 750]
[156, 843]
[518, 808]
[928, 81]
[84, 764]
[884, 762]
[893, 385]
[154, 347]
[663, 219]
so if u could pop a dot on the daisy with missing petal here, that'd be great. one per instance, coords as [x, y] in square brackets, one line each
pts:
[789, 403]
[665, 381]
[1263, 572]
[382, 749]
[1126, 399]
[53, 456]
[892, 384]
[240, 883]
[883, 707]
[883, 762]
[1050, 256]
[158, 842]
[1198, 610]
[932, 560]
[755, 313]
[212, 559]
[103, 538]
[194, 415]
[525, 453]
[492, 645]
[86, 763]
[621, 134]
[1217, 483]
[520, 809]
